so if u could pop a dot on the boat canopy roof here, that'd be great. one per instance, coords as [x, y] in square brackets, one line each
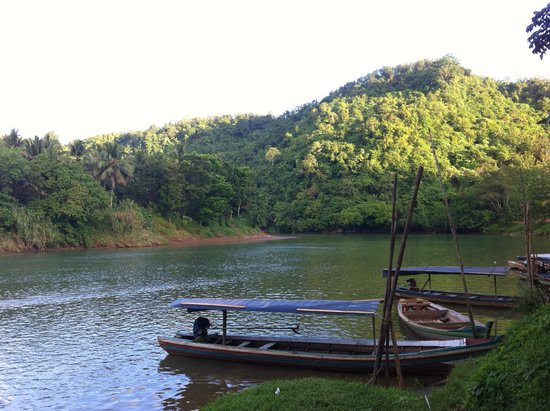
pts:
[453, 270]
[336, 307]
[545, 258]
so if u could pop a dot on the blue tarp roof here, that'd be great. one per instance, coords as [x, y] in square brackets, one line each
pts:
[336, 307]
[496, 271]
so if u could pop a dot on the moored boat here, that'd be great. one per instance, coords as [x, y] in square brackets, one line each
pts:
[432, 321]
[355, 355]
[541, 264]
[451, 297]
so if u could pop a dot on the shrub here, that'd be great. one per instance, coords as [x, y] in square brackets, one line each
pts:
[512, 377]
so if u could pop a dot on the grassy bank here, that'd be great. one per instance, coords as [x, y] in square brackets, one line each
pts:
[514, 376]
[318, 394]
[126, 225]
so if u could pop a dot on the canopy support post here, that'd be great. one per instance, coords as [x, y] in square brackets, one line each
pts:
[224, 326]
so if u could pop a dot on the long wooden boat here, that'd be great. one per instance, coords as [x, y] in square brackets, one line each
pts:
[354, 355]
[432, 321]
[541, 278]
[540, 261]
[451, 297]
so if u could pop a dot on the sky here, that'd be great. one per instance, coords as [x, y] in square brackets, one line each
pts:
[81, 68]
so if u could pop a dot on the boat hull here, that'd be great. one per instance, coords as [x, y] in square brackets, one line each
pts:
[480, 300]
[432, 321]
[430, 357]
[544, 279]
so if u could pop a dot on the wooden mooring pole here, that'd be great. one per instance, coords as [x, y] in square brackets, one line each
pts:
[386, 327]
[455, 239]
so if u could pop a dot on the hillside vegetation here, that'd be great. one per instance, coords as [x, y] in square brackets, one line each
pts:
[325, 166]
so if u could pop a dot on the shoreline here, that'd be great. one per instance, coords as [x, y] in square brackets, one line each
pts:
[192, 241]
[170, 242]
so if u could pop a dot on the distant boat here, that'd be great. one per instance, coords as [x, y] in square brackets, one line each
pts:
[433, 321]
[541, 262]
[354, 355]
[451, 297]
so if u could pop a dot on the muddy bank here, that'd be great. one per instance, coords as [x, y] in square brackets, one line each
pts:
[170, 241]
[191, 241]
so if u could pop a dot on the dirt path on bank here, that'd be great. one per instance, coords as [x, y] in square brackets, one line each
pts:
[173, 242]
[191, 241]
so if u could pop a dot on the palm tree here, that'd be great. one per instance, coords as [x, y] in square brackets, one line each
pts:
[38, 145]
[34, 146]
[110, 167]
[13, 139]
[77, 149]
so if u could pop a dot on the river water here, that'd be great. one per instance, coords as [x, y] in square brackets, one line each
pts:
[78, 328]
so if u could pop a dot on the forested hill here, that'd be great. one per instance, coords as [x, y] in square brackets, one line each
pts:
[326, 165]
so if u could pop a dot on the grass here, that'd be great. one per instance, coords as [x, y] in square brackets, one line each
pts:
[130, 226]
[514, 376]
[318, 394]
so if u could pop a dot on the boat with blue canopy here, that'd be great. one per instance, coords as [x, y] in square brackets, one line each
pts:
[356, 355]
[486, 300]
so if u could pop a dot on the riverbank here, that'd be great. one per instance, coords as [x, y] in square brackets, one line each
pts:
[153, 233]
[11, 247]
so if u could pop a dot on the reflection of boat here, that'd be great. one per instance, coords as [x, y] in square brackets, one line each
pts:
[451, 297]
[540, 261]
[329, 354]
[432, 321]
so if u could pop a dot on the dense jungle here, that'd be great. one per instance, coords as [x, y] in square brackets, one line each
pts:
[325, 166]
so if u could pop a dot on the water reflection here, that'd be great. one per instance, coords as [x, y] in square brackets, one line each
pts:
[205, 379]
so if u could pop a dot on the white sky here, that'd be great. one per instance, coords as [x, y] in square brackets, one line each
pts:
[81, 68]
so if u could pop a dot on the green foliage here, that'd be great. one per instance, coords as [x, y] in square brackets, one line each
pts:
[126, 218]
[109, 165]
[539, 40]
[319, 167]
[325, 166]
[68, 196]
[33, 230]
[318, 394]
[514, 376]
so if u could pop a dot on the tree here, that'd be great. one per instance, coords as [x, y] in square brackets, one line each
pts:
[13, 139]
[69, 197]
[271, 154]
[110, 167]
[77, 149]
[539, 40]
[39, 145]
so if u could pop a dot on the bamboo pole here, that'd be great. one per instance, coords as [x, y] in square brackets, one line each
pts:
[385, 327]
[383, 342]
[528, 251]
[455, 239]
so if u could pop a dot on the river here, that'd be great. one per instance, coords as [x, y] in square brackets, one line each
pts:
[78, 328]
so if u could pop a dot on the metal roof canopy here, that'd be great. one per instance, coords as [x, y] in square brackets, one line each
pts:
[334, 307]
[451, 270]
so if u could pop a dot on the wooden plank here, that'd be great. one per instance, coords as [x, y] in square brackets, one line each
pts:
[267, 346]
